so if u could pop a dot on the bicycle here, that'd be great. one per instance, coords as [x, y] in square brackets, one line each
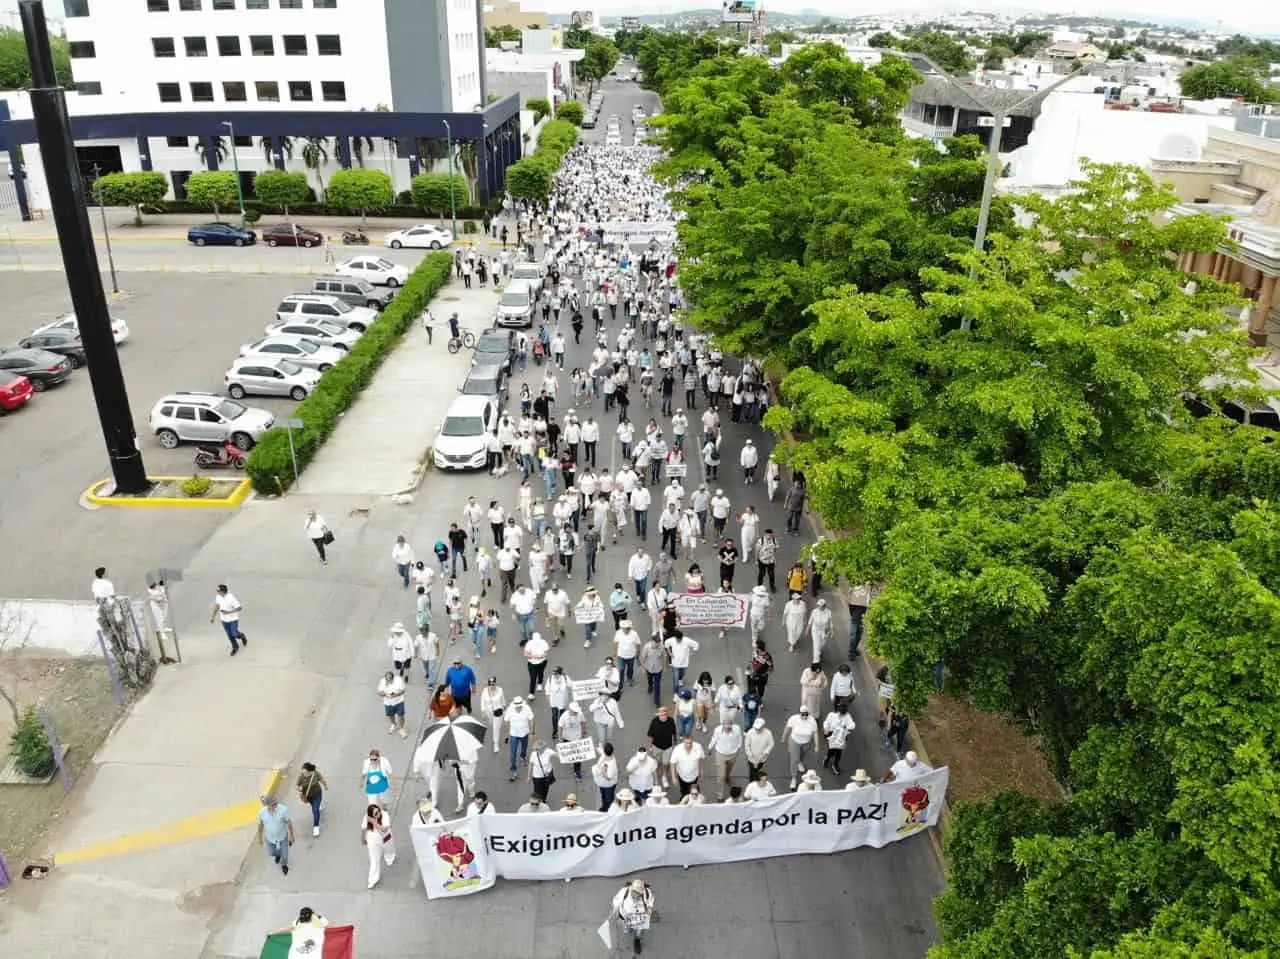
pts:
[466, 338]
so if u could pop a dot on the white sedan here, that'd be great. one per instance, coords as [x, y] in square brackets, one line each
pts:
[375, 270]
[301, 350]
[68, 321]
[256, 373]
[421, 237]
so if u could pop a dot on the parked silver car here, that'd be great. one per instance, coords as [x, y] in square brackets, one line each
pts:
[207, 418]
[309, 306]
[259, 375]
[323, 331]
[298, 349]
[354, 291]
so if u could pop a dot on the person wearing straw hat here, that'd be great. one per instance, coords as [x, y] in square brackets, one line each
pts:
[859, 780]
[401, 645]
[810, 782]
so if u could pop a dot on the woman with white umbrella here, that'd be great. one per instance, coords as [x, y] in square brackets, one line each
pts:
[459, 739]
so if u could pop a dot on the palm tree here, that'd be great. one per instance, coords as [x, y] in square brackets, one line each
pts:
[220, 149]
[315, 154]
[359, 146]
[467, 161]
[283, 144]
[431, 150]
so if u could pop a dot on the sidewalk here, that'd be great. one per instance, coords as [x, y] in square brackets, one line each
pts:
[176, 785]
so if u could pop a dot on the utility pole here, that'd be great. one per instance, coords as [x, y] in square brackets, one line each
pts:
[235, 165]
[453, 206]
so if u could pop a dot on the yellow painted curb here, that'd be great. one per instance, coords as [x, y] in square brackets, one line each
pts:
[92, 495]
[115, 238]
[199, 826]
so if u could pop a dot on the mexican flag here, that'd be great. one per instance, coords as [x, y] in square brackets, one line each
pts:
[310, 942]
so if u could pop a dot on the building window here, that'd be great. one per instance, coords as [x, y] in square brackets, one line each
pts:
[256, 4]
[261, 46]
[157, 6]
[242, 141]
[191, 6]
[329, 45]
[267, 91]
[196, 46]
[163, 47]
[177, 142]
[202, 93]
[228, 46]
[75, 8]
[333, 91]
[290, 4]
[300, 91]
[82, 50]
[295, 44]
[325, 4]
[234, 91]
[90, 88]
[224, 4]
[169, 92]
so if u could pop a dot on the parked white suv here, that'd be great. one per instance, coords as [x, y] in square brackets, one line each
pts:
[207, 418]
[300, 305]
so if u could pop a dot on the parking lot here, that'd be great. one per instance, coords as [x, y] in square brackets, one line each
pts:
[185, 329]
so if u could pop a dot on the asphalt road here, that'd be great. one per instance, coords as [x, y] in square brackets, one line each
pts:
[862, 903]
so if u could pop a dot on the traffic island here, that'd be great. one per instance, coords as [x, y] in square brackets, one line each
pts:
[179, 492]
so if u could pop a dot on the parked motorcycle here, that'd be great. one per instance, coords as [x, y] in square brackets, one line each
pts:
[226, 456]
[355, 238]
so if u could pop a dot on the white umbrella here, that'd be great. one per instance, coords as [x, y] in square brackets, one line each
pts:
[458, 738]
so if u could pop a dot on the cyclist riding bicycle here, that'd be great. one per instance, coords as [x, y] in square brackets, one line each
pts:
[453, 327]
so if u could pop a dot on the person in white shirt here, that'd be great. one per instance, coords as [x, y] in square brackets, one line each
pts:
[523, 602]
[626, 646]
[542, 769]
[749, 459]
[480, 805]
[842, 688]
[605, 774]
[759, 788]
[556, 602]
[402, 556]
[694, 797]
[634, 906]
[810, 782]
[519, 719]
[571, 727]
[642, 771]
[101, 587]
[539, 566]
[909, 767]
[673, 495]
[837, 726]
[729, 701]
[820, 627]
[720, 509]
[686, 762]
[724, 746]
[507, 560]
[317, 531]
[571, 804]
[606, 716]
[759, 606]
[401, 645]
[391, 689]
[535, 804]
[800, 735]
[638, 569]
[559, 690]
[681, 649]
[641, 499]
[859, 780]
[227, 609]
[757, 745]
[625, 801]
[493, 703]
[794, 614]
[536, 651]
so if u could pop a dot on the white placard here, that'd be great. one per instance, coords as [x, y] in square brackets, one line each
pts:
[885, 691]
[725, 610]
[590, 613]
[587, 688]
[677, 470]
[578, 751]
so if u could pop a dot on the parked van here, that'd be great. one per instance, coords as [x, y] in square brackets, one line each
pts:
[515, 306]
[353, 291]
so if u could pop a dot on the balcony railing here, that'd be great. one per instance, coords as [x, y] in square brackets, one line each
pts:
[1260, 120]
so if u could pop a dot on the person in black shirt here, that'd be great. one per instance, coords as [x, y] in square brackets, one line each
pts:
[457, 548]
[728, 559]
[662, 739]
[542, 406]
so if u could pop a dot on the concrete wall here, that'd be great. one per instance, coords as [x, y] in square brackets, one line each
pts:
[529, 84]
[57, 627]
[1259, 157]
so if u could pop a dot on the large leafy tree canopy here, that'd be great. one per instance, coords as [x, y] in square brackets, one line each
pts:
[1003, 438]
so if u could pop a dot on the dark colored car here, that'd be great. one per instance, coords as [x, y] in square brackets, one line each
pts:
[15, 390]
[42, 368]
[496, 347]
[1265, 416]
[220, 234]
[487, 380]
[289, 234]
[64, 343]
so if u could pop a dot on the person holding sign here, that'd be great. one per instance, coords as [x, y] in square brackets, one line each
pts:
[570, 729]
[635, 909]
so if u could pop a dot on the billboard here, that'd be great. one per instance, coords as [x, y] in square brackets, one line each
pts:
[631, 23]
[739, 11]
[586, 19]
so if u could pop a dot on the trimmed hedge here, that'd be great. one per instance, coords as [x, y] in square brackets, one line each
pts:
[401, 211]
[269, 467]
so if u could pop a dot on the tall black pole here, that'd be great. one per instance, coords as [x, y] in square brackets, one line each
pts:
[79, 257]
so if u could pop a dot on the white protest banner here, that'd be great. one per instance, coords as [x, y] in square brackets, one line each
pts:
[885, 691]
[587, 688]
[590, 844]
[578, 751]
[590, 613]
[452, 857]
[725, 610]
[639, 229]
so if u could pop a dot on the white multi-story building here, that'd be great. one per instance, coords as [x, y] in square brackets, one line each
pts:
[233, 56]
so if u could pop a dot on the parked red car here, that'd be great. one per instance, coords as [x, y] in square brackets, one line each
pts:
[15, 390]
[288, 234]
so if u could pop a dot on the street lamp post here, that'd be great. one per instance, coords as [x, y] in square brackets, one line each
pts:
[106, 233]
[235, 165]
[453, 206]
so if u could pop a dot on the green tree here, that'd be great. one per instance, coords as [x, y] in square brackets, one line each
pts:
[131, 189]
[600, 57]
[540, 106]
[995, 57]
[573, 111]
[530, 179]
[215, 189]
[502, 33]
[15, 68]
[1234, 77]
[359, 191]
[578, 38]
[942, 49]
[315, 154]
[882, 40]
[282, 188]
[431, 192]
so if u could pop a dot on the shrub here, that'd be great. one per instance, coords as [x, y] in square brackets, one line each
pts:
[431, 192]
[401, 211]
[30, 747]
[360, 190]
[282, 188]
[213, 190]
[195, 487]
[131, 189]
[469, 226]
[269, 462]
[530, 178]
[572, 111]
[540, 106]
[252, 215]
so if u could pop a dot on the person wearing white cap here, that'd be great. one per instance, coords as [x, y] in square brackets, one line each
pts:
[642, 771]
[720, 510]
[909, 767]
[700, 501]
[634, 906]
[810, 782]
[801, 735]
[401, 645]
[820, 628]
[794, 614]
[536, 651]
[571, 727]
[757, 746]
[493, 703]
[519, 719]
[391, 689]
[749, 459]
[758, 607]
[859, 780]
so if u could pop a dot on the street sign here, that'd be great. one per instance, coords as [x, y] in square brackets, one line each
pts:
[294, 423]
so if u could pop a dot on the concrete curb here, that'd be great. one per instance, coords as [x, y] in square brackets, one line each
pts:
[95, 497]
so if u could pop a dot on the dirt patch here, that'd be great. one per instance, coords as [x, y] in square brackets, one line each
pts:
[986, 753]
[81, 703]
